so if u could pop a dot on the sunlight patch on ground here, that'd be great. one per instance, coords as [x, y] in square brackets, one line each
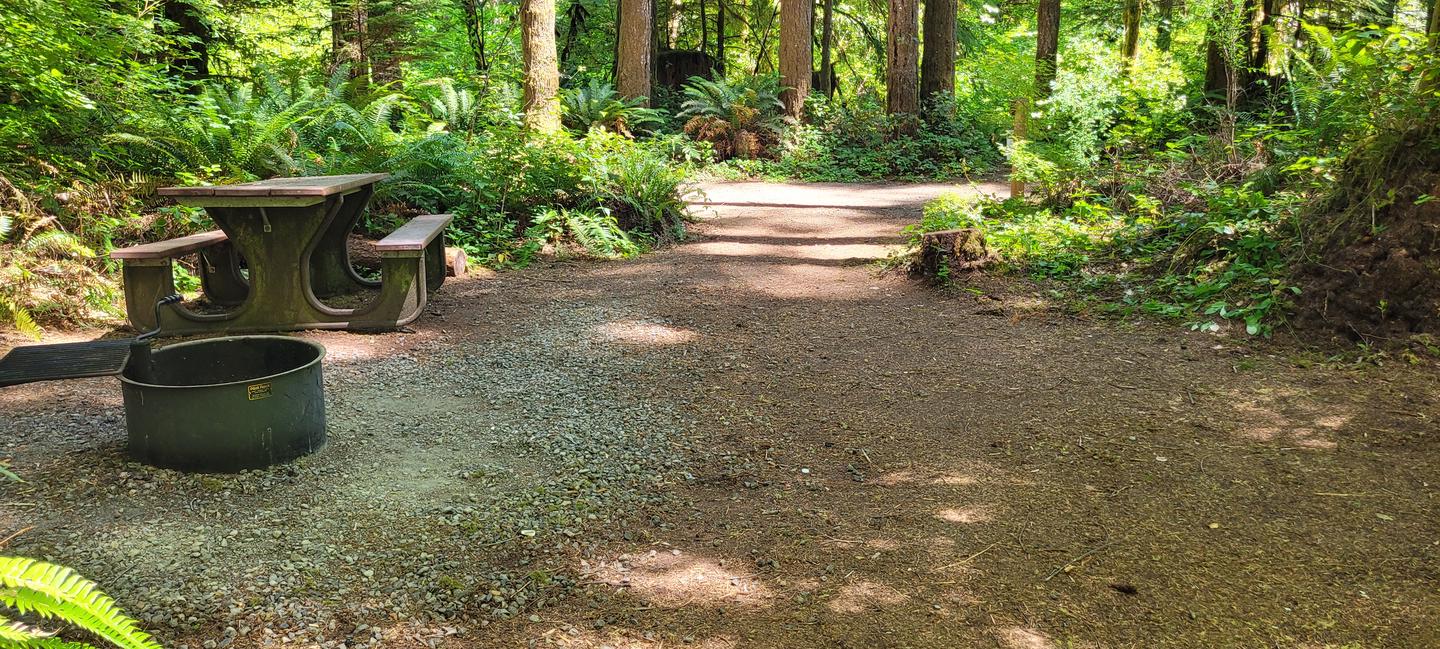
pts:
[571, 637]
[1020, 638]
[1264, 423]
[966, 515]
[674, 579]
[814, 251]
[638, 332]
[955, 480]
[863, 596]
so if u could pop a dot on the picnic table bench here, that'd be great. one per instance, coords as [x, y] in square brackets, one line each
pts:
[281, 247]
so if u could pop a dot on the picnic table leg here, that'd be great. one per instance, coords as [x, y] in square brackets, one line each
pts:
[146, 281]
[330, 269]
[435, 263]
[220, 276]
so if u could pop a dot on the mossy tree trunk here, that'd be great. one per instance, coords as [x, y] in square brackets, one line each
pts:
[1130, 42]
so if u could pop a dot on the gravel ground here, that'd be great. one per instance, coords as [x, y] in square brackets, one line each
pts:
[456, 471]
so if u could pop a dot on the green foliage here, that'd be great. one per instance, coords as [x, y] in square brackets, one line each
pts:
[1227, 261]
[860, 142]
[598, 105]
[51, 592]
[595, 231]
[739, 119]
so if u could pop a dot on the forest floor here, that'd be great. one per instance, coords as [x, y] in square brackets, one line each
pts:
[756, 440]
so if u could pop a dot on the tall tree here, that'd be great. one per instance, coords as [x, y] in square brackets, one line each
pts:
[937, 65]
[1164, 25]
[473, 16]
[348, 37]
[1047, 45]
[1433, 25]
[827, 39]
[1130, 43]
[633, 58]
[1222, 76]
[542, 67]
[796, 54]
[720, 10]
[191, 59]
[902, 54]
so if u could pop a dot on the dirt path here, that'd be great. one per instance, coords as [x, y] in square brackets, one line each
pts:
[778, 448]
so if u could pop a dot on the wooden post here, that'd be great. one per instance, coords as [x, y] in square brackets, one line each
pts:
[1022, 122]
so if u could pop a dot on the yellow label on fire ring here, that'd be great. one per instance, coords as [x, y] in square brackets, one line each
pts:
[258, 391]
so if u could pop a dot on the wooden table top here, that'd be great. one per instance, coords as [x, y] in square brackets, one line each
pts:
[308, 186]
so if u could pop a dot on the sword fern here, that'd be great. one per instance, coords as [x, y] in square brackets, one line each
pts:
[51, 592]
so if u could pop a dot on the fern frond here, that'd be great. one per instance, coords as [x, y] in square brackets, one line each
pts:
[20, 317]
[19, 634]
[58, 244]
[53, 591]
[6, 223]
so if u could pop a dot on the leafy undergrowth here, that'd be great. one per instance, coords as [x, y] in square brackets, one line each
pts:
[1211, 254]
[860, 142]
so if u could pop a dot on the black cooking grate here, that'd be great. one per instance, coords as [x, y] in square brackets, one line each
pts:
[64, 361]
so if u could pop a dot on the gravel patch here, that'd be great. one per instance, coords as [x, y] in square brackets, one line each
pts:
[459, 476]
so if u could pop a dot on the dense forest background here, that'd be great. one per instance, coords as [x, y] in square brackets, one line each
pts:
[1246, 163]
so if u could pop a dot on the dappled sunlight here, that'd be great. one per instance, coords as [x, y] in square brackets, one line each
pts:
[966, 515]
[573, 637]
[639, 332]
[674, 579]
[1265, 419]
[955, 480]
[807, 281]
[1021, 638]
[882, 195]
[810, 251]
[862, 596]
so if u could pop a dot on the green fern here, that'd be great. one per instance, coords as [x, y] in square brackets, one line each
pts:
[57, 244]
[599, 105]
[5, 225]
[50, 591]
[20, 318]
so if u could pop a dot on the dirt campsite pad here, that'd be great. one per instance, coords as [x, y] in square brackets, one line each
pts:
[755, 440]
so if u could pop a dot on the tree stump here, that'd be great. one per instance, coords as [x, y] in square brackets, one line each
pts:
[455, 262]
[947, 252]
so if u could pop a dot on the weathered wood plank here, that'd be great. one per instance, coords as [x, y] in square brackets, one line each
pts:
[307, 186]
[416, 234]
[170, 247]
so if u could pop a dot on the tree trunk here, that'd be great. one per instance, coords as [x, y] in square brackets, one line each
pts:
[542, 69]
[1164, 27]
[348, 34]
[937, 67]
[474, 17]
[1130, 45]
[1221, 75]
[827, 37]
[633, 70]
[902, 94]
[1047, 45]
[191, 61]
[796, 54]
[720, 37]
[1433, 28]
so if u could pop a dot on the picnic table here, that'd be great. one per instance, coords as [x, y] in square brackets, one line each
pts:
[281, 247]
